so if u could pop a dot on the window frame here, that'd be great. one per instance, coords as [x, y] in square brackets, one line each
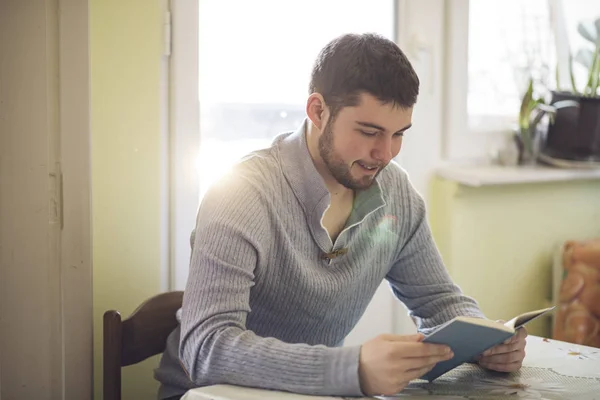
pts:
[184, 136]
[462, 143]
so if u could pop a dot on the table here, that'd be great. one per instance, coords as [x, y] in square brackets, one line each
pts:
[551, 370]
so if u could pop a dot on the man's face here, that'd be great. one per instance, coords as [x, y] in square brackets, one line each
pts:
[362, 140]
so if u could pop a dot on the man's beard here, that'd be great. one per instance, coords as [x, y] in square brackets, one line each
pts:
[337, 167]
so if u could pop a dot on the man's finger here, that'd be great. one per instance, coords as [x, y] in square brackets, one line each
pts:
[421, 350]
[500, 367]
[500, 349]
[511, 339]
[504, 358]
[505, 348]
[422, 362]
[418, 372]
[521, 334]
[417, 337]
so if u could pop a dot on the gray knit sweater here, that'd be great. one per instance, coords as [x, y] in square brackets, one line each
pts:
[262, 308]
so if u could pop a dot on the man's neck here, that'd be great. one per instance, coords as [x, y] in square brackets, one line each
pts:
[341, 197]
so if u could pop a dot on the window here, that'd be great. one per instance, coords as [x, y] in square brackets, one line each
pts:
[492, 47]
[575, 12]
[238, 76]
[255, 59]
[251, 62]
[509, 41]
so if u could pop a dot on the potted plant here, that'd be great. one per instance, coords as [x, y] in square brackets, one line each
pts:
[533, 109]
[574, 133]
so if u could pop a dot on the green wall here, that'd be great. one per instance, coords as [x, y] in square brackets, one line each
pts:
[498, 241]
[126, 45]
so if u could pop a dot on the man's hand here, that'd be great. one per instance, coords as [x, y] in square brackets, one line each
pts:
[507, 356]
[388, 362]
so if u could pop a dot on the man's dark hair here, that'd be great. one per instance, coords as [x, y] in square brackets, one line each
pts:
[353, 64]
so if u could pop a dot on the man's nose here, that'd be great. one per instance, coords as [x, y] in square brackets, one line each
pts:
[383, 151]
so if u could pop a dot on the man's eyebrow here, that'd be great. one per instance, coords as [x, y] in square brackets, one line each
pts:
[405, 128]
[378, 127]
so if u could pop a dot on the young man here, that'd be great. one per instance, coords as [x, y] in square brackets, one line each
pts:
[291, 246]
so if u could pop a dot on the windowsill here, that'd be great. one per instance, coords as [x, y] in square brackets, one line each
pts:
[490, 175]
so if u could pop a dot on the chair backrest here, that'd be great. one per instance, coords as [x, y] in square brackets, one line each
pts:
[138, 337]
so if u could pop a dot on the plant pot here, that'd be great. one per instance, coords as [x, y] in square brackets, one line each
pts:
[575, 133]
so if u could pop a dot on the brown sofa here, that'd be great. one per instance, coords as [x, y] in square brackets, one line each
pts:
[578, 317]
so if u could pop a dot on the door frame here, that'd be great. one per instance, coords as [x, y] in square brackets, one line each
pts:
[76, 237]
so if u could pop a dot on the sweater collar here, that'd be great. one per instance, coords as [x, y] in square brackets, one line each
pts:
[310, 189]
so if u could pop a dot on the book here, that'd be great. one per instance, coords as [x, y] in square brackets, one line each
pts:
[468, 337]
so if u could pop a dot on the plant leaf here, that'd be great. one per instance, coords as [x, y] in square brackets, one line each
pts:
[557, 76]
[526, 107]
[571, 74]
[590, 88]
[589, 31]
[585, 57]
[595, 73]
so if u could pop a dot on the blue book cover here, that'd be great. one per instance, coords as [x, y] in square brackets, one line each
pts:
[468, 337]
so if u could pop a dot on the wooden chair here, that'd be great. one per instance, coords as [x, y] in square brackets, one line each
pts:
[138, 337]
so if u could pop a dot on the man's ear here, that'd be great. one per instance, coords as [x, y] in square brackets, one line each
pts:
[316, 110]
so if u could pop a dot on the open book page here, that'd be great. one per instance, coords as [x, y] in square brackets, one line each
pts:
[524, 318]
[462, 320]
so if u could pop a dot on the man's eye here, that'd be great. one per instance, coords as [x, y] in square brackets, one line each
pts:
[367, 133]
[398, 134]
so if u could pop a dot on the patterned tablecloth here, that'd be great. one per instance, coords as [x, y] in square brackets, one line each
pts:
[552, 370]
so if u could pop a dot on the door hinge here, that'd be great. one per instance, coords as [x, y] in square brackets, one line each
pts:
[56, 197]
[61, 209]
